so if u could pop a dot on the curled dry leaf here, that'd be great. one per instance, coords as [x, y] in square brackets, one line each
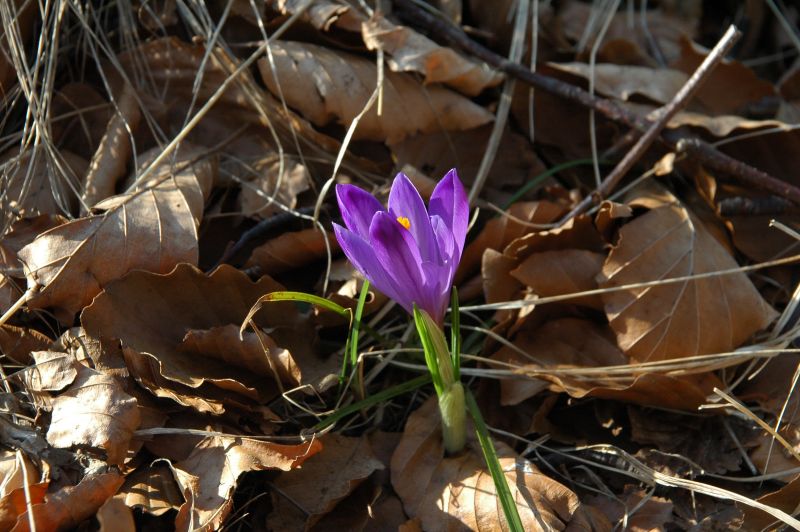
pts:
[327, 86]
[115, 149]
[410, 51]
[152, 488]
[325, 479]
[573, 355]
[80, 115]
[322, 14]
[94, 412]
[499, 232]
[291, 250]
[777, 153]
[13, 501]
[709, 315]
[68, 507]
[208, 476]
[180, 339]
[17, 343]
[450, 493]
[152, 228]
[115, 516]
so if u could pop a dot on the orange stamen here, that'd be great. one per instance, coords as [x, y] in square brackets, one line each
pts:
[405, 222]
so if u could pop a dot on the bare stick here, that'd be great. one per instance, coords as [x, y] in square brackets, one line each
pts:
[678, 102]
[702, 151]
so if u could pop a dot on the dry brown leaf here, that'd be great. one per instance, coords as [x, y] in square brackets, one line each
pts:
[499, 232]
[208, 476]
[436, 153]
[784, 499]
[700, 440]
[13, 501]
[556, 352]
[68, 507]
[563, 271]
[325, 479]
[498, 283]
[410, 51]
[291, 250]
[152, 488]
[25, 14]
[450, 493]
[667, 25]
[326, 86]
[39, 182]
[152, 228]
[80, 115]
[322, 14]
[577, 233]
[115, 516]
[676, 320]
[259, 195]
[17, 343]
[11, 287]
[771, 387]
[94, 412]
[52, 371]
[751, 233]
[624, 81]
[151, 314]
[111, 158]
[715, 97]
[636, 511]
[608, 216]
[771, 457]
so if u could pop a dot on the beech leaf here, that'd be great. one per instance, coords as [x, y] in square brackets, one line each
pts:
[448, 493]
[209, 475]
[94, 412]
[152, 228]
[327, 86]
[709, 315]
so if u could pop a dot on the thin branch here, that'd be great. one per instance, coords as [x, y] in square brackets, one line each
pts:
[702, 151]
[665, 114]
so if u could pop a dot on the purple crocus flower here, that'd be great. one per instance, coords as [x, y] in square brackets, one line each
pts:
[408, 252]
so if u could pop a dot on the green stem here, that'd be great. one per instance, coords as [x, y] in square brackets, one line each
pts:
[448, 387]
[454, 419]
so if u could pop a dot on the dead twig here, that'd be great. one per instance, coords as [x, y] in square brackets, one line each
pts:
[665, 114]
[702, 151]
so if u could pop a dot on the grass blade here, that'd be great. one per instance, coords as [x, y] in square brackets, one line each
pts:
[383, 395]
[490, 455]
[455, 335]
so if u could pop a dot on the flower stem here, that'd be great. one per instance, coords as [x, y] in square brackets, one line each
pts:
[453, 410]
[449, 389]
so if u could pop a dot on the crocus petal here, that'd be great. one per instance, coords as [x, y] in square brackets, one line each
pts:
[363, 257]
[357, 207]
[444, 239]
[438, 281]
[449, 200]
[405, 201]
[397, 252]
